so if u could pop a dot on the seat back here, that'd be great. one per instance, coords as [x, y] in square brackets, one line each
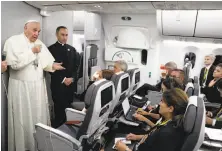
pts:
[134, 80]
[189, 88]
[50, 139]
[196, 86]
[194, 124]
[187, 72]
[99, 98]
[121, 82]
[89, 65]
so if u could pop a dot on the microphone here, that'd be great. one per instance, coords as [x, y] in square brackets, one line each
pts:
[36, 62]
[4, 55]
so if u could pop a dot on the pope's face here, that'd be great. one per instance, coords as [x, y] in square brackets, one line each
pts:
[32, 31]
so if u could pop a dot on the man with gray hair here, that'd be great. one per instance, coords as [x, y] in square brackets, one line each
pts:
[27, 58]
[206, 73]
[120, 65]
[169, 66]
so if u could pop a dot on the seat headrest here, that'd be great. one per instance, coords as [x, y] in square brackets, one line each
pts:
[63, 140]
[132, 73]
[190, 114]
[117, 80]
[99, 97]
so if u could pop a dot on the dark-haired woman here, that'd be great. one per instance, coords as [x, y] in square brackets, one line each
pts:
[167, 135]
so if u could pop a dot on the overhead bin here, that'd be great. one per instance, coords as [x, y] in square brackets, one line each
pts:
[177, 22]
[190, 23]
[209, 24]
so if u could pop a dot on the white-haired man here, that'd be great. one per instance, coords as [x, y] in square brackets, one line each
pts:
[206, 74]
[120, 65]
[27, 58]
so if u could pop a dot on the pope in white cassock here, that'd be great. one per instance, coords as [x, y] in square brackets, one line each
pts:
[27, 57]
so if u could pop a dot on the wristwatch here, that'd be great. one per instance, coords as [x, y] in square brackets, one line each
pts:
[127, 149]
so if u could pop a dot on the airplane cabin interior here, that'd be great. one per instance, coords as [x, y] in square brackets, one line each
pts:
[121, 47]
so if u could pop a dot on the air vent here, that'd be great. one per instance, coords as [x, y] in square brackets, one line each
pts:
[126, 18]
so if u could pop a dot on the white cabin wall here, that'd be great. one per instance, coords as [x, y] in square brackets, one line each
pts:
[138, 20]
[14, 14]
[175, 50]
[61, 18]
[163, 48]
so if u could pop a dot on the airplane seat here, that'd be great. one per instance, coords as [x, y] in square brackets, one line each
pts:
[70, 137]
[89, 61]
[196, 80]
[187, 71]
[194, 124]
[134, 80]
[189, 88]
[185, 75]
[121, 82]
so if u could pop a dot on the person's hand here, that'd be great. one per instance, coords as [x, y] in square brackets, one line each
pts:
[132, 137]
[142, 112]
[150, 107]
[36, 48]
[209, 120]
[209, 114]
[57, 66]
[3, 66]
[120, 146]
[68, 81]
[139, 117]
[212, 82]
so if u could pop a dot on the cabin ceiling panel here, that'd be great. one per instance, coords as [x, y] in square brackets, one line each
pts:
[172, 5]
[125, 7]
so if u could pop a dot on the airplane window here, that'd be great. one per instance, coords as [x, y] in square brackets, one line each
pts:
[125, 84]
[137, 77]
[144, 57]
[106, 96]
[217, 60]
[190, 57]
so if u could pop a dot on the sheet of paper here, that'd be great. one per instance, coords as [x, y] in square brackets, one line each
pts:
[122, 139]
[214, 134]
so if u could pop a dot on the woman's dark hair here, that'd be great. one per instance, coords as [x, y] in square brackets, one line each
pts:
[179, 100]
[107, 74]
[219, 65]
[171, 83]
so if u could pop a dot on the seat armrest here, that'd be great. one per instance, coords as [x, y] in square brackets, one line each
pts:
[212, 105]
[75, 115]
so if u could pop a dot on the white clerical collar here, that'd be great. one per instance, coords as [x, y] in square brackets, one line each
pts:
[60, 43]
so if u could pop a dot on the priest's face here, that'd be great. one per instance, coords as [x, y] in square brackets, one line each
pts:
[32, 31]
[62, 35]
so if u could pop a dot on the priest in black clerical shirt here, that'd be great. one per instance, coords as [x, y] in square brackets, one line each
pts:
[63, 82]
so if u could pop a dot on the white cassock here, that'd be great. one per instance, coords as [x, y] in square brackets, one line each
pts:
[27, 95]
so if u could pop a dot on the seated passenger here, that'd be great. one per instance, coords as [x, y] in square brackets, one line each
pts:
[120, 65]
[168, 135]
[211, 91]
[214, 119]
[142, 91]
[103, 74]
[152, 116]
[179, 74]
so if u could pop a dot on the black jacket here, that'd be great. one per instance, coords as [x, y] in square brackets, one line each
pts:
[67, 55]
[209, 76]
[166, 138]
[212, 93]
